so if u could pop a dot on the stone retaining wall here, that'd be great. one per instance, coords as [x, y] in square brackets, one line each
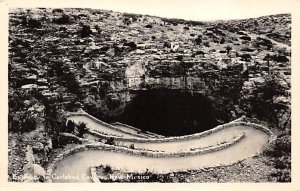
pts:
[52, 164]
[112, 148]
[83, 113]
[125, 125]
[147, 134]
[154, 134]
[272, 136]
[71, 136]
[187, 137]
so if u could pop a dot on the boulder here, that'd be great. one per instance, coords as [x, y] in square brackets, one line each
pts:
[38, 172]
[111, 52]
[29, 155]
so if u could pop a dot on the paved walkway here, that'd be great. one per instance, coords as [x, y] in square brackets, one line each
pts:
[78, 164]
[91, 124]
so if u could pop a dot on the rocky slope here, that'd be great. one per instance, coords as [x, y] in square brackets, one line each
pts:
[97, 59]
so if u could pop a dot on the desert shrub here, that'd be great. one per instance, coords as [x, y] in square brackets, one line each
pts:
[81, 128]
[248, 38]
[105, 48]
[30, 22]
[264, 42]
[179, 57]
[64, 19]
[279, 58]
[70, 127]
[33, 23]
[167, 44]
[61, 141]
[19, 121]
[222, 41]
[199, 52]
[97, 27]
[107, 169]
[55, 143]
[247, 49]
[198, 40]
[85, 31]
[132, 45]
[149, 26]
[228, 49]
[13, 125]
[206, 43]
[246, 57]
[64, 29]
[28, 125]
[126, 21]
[241, 33]
[110, 141]
[20, 42]
[57, 11]
[131, 146]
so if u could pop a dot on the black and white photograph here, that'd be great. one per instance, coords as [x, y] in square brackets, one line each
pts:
[125, 94]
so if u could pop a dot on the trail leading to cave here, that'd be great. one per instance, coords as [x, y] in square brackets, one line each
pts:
[79, 163]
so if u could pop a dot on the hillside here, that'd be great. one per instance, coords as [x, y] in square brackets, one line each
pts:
[64, 59]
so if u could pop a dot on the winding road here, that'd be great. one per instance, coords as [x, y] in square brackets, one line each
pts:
[76, 167]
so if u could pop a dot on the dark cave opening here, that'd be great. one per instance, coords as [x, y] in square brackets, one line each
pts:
[169, 112]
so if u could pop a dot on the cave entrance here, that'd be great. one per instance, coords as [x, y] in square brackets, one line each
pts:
[169, 112]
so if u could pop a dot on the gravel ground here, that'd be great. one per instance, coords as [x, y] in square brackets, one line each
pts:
[249, 170]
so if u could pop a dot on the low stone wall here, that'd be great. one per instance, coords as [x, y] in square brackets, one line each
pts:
[272, 136]
[52, 164]
[145, 135]
[127, 126]
[112, 148]
[187, 137]
[83, 113]
[100, 133]
[72, 137]
[154, 134]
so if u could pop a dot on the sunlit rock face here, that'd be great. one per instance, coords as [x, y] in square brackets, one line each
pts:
[169, 112]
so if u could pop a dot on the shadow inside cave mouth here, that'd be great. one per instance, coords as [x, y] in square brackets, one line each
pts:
[169, 112]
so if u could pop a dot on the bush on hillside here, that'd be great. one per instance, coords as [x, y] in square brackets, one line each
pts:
[85, 31]
[149, 26]
[81, 129]
[70, 127]
[64, 19]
